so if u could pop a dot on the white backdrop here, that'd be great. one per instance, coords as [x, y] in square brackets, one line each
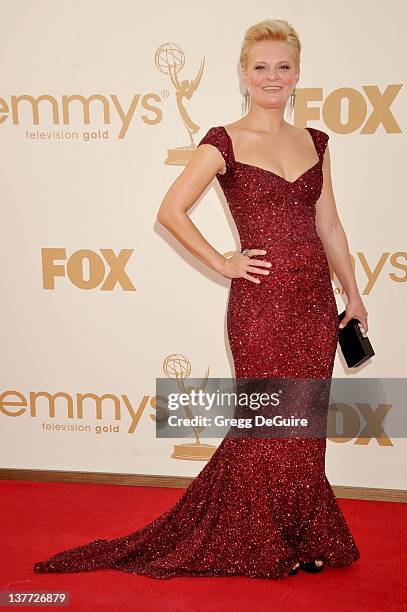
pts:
[81, 187]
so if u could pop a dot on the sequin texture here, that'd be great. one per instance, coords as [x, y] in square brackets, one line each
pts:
[259, 505]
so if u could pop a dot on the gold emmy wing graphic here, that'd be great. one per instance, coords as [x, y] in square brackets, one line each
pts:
[170, 59]
[178, 367]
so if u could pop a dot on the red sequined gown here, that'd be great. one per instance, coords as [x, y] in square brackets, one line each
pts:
[259, 505]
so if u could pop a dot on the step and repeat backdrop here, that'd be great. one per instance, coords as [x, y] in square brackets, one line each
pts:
[101, 107]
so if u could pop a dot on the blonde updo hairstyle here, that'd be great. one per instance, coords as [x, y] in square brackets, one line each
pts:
[270, 29]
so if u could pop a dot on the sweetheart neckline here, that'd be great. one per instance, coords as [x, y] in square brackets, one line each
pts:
[279, 175]
[270, 171]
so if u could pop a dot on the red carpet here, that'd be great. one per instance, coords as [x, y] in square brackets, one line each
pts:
[42, 518]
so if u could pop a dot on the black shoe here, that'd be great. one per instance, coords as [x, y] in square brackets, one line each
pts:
[311, 567]
[293, 571]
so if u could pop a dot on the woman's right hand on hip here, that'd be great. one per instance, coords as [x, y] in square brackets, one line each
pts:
[240, 265]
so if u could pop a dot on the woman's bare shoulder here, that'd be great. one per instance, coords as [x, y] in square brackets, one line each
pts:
[236, 126]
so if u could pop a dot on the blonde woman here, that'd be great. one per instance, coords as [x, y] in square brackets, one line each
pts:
[262, 506]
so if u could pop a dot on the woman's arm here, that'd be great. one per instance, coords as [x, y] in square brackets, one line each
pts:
[333, 238]
[202, 168]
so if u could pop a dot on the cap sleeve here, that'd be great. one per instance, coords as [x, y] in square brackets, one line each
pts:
[218, 138]
[322, 141]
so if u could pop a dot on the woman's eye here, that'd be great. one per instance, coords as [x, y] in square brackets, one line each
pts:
[284, 66]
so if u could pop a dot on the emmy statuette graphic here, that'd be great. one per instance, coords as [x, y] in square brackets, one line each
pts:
[170, 59]
[178, 367]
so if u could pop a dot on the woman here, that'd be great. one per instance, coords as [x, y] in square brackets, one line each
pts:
[261, 507]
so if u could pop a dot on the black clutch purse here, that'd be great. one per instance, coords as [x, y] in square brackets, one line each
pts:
[355, 345]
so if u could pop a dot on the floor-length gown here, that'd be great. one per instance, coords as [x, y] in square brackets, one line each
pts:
[260, 504]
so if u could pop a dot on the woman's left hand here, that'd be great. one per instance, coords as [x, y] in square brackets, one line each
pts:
[355, 309]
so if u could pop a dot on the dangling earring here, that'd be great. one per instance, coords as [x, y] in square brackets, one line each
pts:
[292, 101]
[246, 103]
